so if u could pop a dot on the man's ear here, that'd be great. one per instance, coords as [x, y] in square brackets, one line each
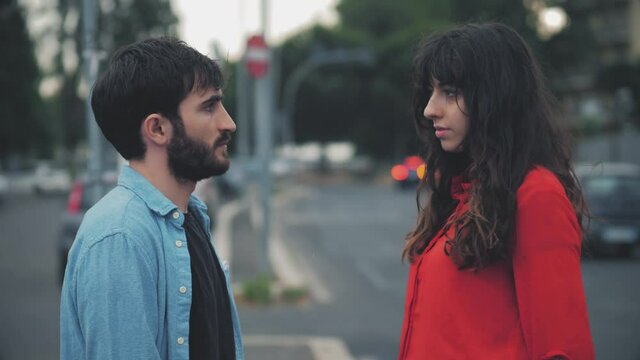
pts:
[156, 129]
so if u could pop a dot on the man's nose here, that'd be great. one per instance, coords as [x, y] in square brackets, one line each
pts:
[228, 124]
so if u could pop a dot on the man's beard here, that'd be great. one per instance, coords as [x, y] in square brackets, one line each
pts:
[193, 160]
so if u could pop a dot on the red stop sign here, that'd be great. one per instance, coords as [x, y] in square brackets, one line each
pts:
[257, 56]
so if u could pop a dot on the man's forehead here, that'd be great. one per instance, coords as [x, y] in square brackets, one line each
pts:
[207, 92]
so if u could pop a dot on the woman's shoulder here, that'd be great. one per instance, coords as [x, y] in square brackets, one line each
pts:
[540, 181]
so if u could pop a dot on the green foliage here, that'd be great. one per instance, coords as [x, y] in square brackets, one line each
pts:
[365, 104]
[614, 77]
[118, 22]
[294, 295]
[258, 290]
[21, 127]
[371, 105]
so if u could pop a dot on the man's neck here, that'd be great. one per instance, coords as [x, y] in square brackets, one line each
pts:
[163, 180]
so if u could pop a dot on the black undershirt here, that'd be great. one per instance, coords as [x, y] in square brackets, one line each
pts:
[210, 325]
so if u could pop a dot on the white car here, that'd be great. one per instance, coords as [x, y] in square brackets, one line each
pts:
[47, 179]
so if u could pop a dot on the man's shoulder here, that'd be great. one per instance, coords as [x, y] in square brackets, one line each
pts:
[120, 211]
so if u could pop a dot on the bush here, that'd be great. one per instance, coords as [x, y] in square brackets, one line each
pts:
[258, 290]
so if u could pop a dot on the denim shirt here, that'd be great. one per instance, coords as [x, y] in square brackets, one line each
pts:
[127, 285]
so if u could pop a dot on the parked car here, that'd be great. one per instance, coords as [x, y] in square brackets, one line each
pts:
[408, 173]
[50, 180]
[78, 203]
[612, 193]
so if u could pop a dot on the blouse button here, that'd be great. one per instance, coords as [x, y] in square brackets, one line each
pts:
[179, 243]
[180, 340]
[182, 289]
[176, 215]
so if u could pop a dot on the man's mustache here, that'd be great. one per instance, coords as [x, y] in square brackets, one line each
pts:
[224, 138]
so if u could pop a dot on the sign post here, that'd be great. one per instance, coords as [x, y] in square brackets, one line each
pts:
[257, 56]
[257, 62]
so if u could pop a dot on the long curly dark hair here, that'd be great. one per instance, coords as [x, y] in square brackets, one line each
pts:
[512, 128]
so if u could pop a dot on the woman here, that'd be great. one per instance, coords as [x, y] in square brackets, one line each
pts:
[495, 254]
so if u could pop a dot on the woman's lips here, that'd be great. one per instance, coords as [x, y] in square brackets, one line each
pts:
[440, 132]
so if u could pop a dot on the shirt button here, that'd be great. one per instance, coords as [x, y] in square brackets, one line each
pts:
[183, 289]
[176, 215]
[178, 243]
[180, 340]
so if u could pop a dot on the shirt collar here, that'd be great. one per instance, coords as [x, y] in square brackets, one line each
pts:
[153, 198]
[460, 190]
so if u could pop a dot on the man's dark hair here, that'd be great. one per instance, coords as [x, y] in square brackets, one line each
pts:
[150, 76]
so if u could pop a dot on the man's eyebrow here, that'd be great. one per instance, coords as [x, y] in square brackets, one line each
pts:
[213, 99]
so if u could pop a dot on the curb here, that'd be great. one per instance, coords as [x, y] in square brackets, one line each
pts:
[287, 270]
[223, 228]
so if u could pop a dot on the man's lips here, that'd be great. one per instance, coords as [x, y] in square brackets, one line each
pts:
[222, 142]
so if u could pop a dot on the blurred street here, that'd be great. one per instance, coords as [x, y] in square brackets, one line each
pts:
[349, 234]
[30, 298]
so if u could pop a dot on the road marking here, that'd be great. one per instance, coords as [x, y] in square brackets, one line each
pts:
[322, 347]
[223, 228]
[371, 274]
[286, 265]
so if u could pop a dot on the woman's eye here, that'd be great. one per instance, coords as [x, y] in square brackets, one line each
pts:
[453, 92]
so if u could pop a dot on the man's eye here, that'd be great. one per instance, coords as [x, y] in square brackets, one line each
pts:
[209, 107]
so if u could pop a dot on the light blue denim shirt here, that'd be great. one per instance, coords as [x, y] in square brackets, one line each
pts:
[127, 286]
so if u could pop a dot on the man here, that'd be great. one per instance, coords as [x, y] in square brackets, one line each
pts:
[143, 281]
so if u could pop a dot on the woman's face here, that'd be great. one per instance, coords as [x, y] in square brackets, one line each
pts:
[447, 110]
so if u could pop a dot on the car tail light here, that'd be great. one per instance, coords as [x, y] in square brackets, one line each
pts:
[399, 172]
[413, 162]
[421, 170]
[75, 198]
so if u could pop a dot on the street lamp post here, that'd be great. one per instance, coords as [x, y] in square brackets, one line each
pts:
[91, 62]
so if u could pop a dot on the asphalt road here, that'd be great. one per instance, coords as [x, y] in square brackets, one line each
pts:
[351, 235]
[30, 295]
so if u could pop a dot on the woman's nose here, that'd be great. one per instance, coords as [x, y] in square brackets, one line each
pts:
[432, 110]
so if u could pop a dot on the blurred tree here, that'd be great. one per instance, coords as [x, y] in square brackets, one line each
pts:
[21, 129]
[119, 22]
[367, 105]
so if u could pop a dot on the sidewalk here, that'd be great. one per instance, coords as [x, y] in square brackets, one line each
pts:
[236, 240]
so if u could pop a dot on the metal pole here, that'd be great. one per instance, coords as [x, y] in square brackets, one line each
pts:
[263, 112]
[91, 62]
[264, 17]
[242, 110]
[264, 148]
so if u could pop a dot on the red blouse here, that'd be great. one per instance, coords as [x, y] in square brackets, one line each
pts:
[531, 307]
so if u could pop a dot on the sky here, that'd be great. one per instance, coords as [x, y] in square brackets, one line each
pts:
[228, 23]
